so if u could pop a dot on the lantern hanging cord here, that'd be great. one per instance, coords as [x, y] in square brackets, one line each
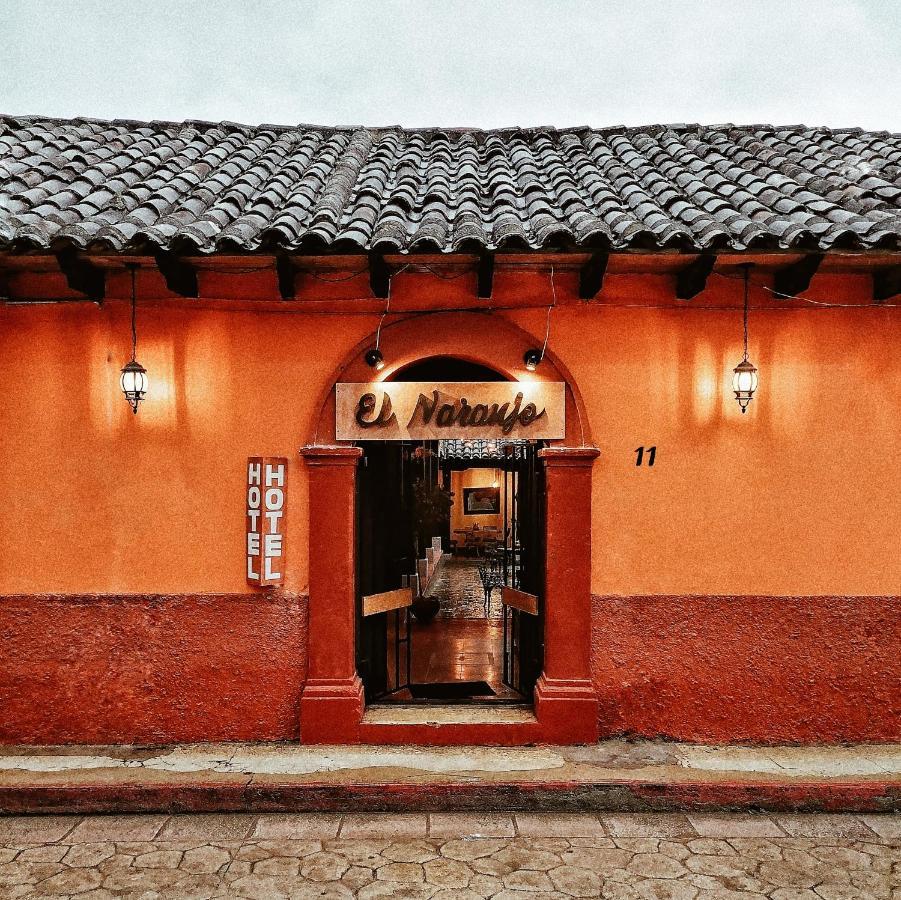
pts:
[134, 327]
[747, 274]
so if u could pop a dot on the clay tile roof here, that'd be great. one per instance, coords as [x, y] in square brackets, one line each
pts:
[222, 187]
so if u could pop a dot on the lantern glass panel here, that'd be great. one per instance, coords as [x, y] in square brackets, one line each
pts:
[745, 380]
[134, 381]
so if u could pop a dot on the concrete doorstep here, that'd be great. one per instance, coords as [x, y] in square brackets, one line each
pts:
[610, 776]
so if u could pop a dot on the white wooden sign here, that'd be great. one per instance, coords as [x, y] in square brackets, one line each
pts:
[415, 410]
[266, 482]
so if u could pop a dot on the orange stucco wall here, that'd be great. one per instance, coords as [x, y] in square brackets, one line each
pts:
[105, 501]
[99, 500]
[122, 583]
[798, 496]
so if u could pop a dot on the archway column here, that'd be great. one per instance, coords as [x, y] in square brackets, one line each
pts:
[566, 703]
[331, 706]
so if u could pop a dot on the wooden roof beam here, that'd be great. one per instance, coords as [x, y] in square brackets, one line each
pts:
[794, 279]
[486, 275]
[693, 278]
[285, 269]
[80, 274]
[379, 276]
[4, 285]
[591, 277]
[180, 275]
[886, 283]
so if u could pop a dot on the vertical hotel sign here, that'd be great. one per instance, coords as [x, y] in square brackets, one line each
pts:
[266, 477]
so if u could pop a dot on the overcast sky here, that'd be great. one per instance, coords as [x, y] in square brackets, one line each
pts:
[456, 62]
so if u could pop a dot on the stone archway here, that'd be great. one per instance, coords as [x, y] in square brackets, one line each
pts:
[332, 703]
[475, 337]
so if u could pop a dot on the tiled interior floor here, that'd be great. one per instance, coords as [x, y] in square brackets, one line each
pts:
[460, 650]
[458, 587]
[460, 644]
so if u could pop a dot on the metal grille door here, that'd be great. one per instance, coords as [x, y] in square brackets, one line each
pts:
[384, 643]
[523, 603]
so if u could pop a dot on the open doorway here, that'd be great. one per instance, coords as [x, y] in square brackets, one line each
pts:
[450, 564]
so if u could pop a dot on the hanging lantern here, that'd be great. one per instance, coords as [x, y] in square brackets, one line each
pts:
[134, 383]
[133, 380]
[744, 382]
[744, 375]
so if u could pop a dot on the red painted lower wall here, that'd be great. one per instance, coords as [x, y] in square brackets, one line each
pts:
[151, 669]
[156, 669]
[752, 669]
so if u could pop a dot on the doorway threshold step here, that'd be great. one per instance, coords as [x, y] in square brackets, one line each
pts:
[448, 714]
[492, 724]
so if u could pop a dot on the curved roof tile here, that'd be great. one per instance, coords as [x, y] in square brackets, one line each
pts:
[222, 185]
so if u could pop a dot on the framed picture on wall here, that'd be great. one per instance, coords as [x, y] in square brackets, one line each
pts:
[481, 501]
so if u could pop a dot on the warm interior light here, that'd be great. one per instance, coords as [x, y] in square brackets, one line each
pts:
[374, 359]
[532, 358]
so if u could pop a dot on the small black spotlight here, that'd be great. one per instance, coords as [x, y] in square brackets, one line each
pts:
[374, 359]
[531, 358]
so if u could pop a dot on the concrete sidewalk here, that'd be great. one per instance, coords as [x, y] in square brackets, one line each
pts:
[610, 776]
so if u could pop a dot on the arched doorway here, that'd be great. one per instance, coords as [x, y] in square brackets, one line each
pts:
[458, 525]
[332, 705]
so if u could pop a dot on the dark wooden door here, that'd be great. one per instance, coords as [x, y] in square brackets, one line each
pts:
[383, 556]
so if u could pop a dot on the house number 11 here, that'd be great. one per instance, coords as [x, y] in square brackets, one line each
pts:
[640, 455]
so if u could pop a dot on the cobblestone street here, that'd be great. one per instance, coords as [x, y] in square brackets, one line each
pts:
[453, 856]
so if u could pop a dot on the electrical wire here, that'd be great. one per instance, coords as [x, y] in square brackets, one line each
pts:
[438, 275]
[378, 331]
[424, 266]
[336, 280]
[809, 300]
[298, 309]
[547, 319]
[821, 304]
[431, 270]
